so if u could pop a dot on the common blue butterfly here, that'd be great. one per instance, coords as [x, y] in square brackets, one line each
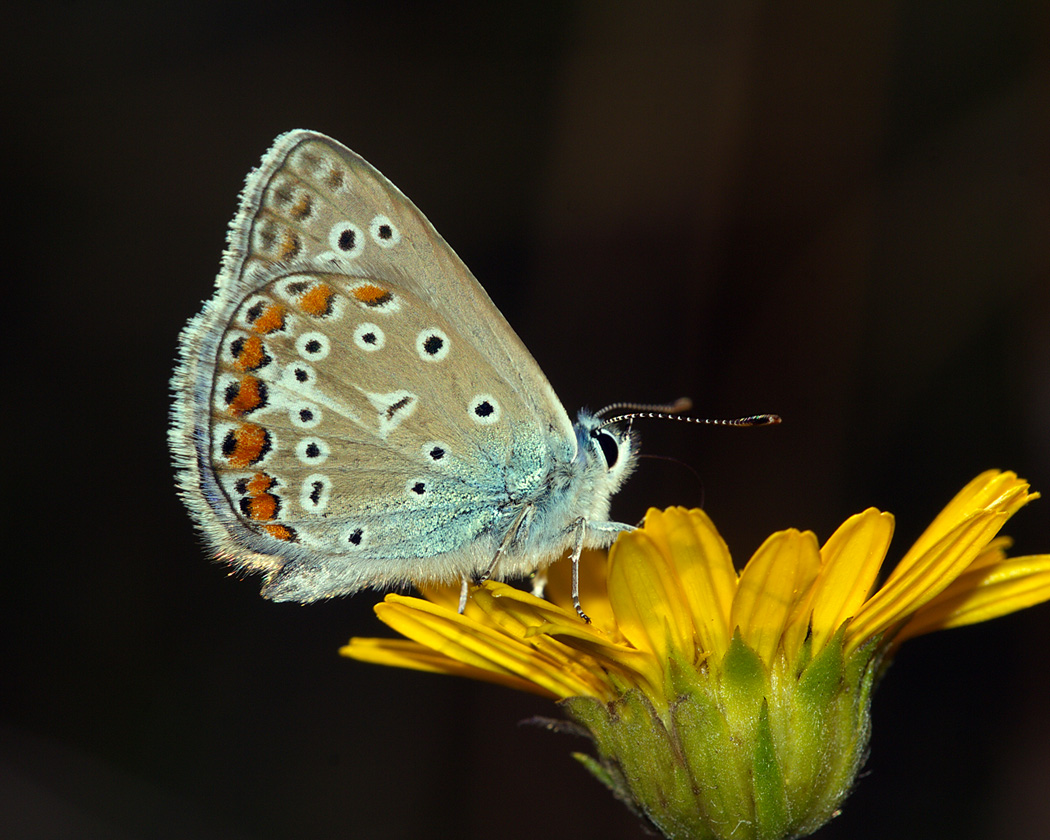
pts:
[351, 410]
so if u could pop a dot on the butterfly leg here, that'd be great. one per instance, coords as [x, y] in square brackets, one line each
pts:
[577, 550]
[464, 588]
[485, 575]
[518, 530]
[610, 529]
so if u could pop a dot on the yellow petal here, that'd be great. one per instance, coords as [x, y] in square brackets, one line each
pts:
[517, 612]
[984, 593]
[850, 562]
[990, 491]
[539, 619]
[634, 667]
[644, 592]
[992, 554]
[775, 580]
[539, 616]
[443, 594]
[704, 568]
[465, 640]
[582, 653]
[562, 636]
[926, 577]
[402, 653]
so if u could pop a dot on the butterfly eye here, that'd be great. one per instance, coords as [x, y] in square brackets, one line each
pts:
[610, 448]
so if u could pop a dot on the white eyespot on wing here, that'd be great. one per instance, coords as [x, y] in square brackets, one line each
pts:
[432, 344]
[435, 452]
[384, 232]
[354, 537]
[369, 337]
[312, 450]
[416, 488]
[392, 409]
[484, 409]
[315, 493]
[314, 346]
[298, 376]
[304, 415]
[346, 239]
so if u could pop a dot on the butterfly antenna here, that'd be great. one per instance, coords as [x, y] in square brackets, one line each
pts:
[652, 413]
[677, 407]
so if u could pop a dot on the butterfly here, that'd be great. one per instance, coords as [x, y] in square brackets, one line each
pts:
[351, 410]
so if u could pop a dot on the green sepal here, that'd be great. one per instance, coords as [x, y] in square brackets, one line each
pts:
[772, 816]
[815, 745]
[707, 746]
[744, 677]
[634, 745]
[742, 750]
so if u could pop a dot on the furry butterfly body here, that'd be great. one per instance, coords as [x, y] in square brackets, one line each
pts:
[351, 409]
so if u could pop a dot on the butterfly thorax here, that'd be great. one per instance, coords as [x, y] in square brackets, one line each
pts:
[538, 527]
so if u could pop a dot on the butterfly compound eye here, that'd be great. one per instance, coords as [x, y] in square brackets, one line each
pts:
[610, 447]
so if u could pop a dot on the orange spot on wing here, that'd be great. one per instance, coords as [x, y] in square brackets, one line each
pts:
[262, 507]
[249, 397]
[280, 532]
[249, 444]
[252, 354]
[301, 208]
[290, 246]
[371, 295]
[317, 300]
[259, 484]
[271, 319]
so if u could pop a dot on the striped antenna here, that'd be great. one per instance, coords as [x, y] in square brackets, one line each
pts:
[669, 412]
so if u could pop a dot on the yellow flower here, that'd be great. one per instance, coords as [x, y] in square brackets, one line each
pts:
[725, 704]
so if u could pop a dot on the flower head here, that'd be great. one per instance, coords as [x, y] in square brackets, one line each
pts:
[726, 704]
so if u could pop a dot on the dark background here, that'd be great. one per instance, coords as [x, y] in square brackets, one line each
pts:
[838, 212]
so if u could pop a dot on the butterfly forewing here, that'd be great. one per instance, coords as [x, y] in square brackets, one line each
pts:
[320, 203]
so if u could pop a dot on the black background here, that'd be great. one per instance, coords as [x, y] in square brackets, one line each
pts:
[838, 212]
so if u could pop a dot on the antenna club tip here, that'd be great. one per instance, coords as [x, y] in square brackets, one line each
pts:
[754, 420]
